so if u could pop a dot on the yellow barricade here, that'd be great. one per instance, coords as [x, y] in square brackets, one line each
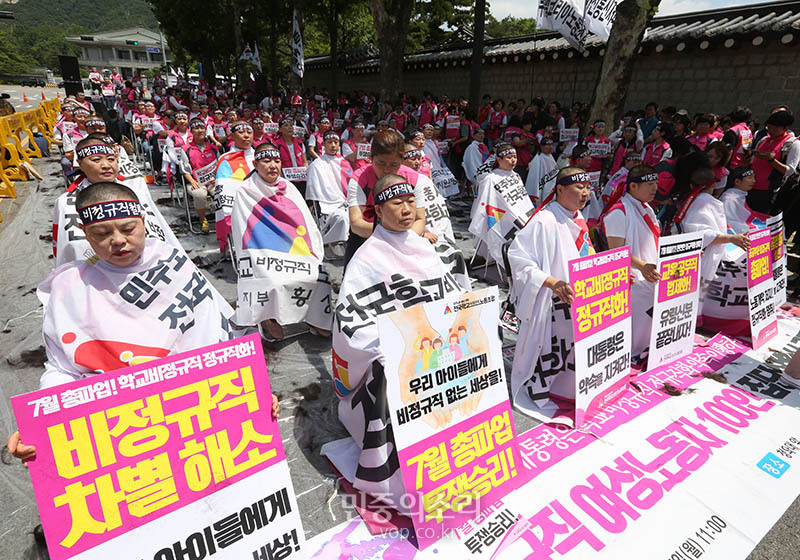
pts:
[22, 137]
[11, 159]
[30, 121]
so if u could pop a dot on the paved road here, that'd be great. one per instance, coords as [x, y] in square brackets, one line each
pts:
[34, 95]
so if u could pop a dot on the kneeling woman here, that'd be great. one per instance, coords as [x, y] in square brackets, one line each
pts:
[279, 253]
[395, 267]
[543, 376]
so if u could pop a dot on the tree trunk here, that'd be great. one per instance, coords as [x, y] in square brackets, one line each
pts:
[239, 41]
[477, 55]
[608, 101]
[391, 19]
[333, 35]
[208, 71]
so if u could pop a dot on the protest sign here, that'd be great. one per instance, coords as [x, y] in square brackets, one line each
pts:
[594, 176]
[568, 134]
[761, 288]
[449, 409]
[295, 173]
[445, 181]
[337, 124]
[675, 302]
[206, 174]
[271, 127]
[444, 147]
[601, 323]
[363, 151]
[599, 149]
[171, 455]
[299, 132]
[778, 246]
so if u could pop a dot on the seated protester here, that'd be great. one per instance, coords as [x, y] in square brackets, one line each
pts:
[259, 135]
[95, 322]
[659, 149]
[739, 137]
[328, 176]
[741, 218]
[350, 147]
[474, 156]
[627, 140]
[66, 122]
[417, 160]
[293, 154]
[393, 255]
[501, 208]
[279, 253]
[543, 376]
[596, 141]
[615, 187]
[97, 131]
[73, 136]
[631, 221]
[542, 171]
[718, 155]
[431, 147]
[416, 149]
[233, 167]
[177, 141]
[317, 138]
[99, 163]
[386, 157]
[703, 132]
[202, 158]
[219, 128]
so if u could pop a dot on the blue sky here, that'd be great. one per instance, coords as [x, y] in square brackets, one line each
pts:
[517, 8]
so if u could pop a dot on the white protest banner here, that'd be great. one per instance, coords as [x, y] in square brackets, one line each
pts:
[206, 174]
[129, 461]
[446, 386]
[576, 19]
[761, 288]
[778, 246]
[363, 151]
[444, 146]
[295, 173]
[271, 127]
[298, 60]
[601, 322]
[445, 181]
[299, 132]
[568, 134]
[162, 143]
[219, 130]
[651, 460]
[599, 149]
[337, 124]
[675, 302]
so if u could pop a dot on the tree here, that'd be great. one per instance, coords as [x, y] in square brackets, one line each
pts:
[509, 26]
[608, 101]
[432, 20]
[477, 54]
[391, 19]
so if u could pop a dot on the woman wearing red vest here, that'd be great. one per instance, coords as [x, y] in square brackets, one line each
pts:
[739, 138]
[659, 149]
[774, 162]
[293, 153]
[386, 158]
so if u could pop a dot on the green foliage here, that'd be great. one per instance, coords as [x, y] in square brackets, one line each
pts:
[509, 26]
[433, 20]
[36, 36]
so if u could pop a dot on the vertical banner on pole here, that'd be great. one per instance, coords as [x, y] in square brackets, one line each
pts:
[601, 322]
[675, 304]
[761, 288]
[298, 62]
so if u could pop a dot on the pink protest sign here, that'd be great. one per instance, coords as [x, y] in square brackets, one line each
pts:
[449, 409]
[675, 302]
[601, 323]
[761, 288]
[169, 449]
[451, 476]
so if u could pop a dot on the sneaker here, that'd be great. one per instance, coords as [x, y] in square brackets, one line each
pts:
[204, 226]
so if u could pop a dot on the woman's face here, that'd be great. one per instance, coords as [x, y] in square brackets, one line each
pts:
[713, 157]
[418, 141]
[702, 128]
[507, 162]
[398, 214]
[386, 164]
[99, 168]
[599, 129]
[269, 169]
[644, 192]
[574, 196]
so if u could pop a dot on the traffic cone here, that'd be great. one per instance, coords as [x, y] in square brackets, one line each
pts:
[58, 94]
[24, 97]
[43, 97]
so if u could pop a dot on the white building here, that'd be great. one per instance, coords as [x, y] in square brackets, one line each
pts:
[129, 50]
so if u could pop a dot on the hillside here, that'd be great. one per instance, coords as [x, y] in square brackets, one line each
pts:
[89, 15]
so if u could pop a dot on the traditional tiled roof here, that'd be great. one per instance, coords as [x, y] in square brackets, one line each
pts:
[756, 22]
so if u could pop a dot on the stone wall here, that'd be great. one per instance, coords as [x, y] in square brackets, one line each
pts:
[716, 79]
